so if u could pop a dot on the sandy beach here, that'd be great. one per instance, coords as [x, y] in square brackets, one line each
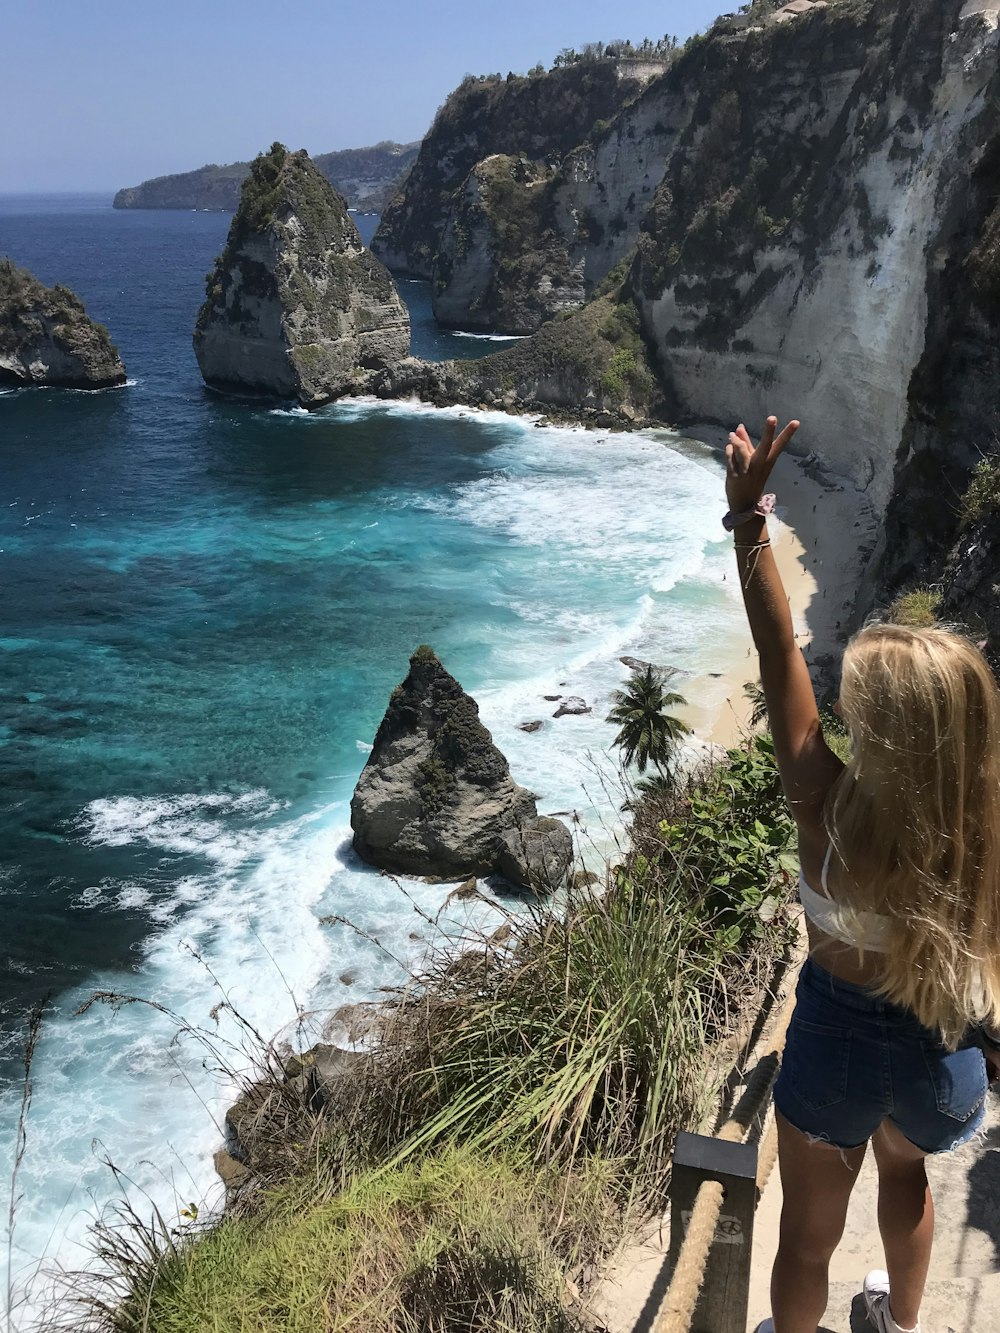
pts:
[821, 534]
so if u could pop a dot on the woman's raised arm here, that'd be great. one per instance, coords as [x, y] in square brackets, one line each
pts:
[808, 767]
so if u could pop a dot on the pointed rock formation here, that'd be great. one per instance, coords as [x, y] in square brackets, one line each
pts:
[296, 307]
[436, 796]
[47, 338]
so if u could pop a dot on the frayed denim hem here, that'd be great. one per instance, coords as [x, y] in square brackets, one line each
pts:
[822, 1140]
[972, 1132]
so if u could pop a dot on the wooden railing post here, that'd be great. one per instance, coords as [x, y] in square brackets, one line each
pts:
[723, 1304]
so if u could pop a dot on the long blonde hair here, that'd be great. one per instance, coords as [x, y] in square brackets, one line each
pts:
[915, 819]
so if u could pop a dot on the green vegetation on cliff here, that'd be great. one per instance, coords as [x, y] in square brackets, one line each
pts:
[982, 498]
[516, 1110]
[917, 608]
[541, 116]
[737, 183]
[592, 360]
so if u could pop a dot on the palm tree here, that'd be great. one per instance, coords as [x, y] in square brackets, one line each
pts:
[755, 695]
[647, 733]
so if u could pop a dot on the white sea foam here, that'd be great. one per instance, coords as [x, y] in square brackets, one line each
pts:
[486, 337]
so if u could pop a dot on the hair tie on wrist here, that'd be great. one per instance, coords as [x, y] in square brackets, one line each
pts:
[763, 507]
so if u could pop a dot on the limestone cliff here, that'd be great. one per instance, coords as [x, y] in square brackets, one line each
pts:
[523, 241]
[790, 259]
[436, 796]
[541, 117]
[46, 337]
[366, 177]
[502, 263]
[296, 306]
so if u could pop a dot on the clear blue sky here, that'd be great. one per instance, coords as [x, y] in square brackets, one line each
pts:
[111, 92]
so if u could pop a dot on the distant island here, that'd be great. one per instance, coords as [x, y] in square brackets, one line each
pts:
[366, 177]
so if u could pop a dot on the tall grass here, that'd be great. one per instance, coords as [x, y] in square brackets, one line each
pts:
[459, 1242]
[33, 1032]
[588, 1033]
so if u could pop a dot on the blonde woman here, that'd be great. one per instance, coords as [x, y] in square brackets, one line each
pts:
[900, 857]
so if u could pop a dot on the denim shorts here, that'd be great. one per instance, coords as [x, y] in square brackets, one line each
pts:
[853, 1060]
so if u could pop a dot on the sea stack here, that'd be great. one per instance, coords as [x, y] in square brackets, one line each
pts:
[436, 796]
[47, 338]
[296, 307]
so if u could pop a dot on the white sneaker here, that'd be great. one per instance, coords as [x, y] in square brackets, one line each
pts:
[876, 1292]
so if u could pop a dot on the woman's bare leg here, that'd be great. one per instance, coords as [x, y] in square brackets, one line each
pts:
[905, 1219]
[816, 1184]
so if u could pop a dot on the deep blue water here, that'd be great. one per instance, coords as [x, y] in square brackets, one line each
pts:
[205, 606]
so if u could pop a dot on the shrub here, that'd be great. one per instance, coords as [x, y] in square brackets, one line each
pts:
[735, 836]
[435, 784]
[982, 496]
[616, 380]
[917, 608]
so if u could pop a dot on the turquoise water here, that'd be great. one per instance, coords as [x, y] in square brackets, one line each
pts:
[206, 606]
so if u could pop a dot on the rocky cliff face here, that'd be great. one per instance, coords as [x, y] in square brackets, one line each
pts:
[541, 118]
[524, 241]
[502, 262]
[46, 337]
[592, 366]
[941, 519]
[791, 260]
[366, 177]
[296, 306]
[436, 796]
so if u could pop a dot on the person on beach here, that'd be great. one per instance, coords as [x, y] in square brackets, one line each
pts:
[892, 1041]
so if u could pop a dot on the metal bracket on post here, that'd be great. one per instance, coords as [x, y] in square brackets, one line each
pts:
[725, 1293]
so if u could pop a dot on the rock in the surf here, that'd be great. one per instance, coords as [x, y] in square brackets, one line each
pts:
[572, 707]
[537, 854]
[436, 796]
[47, 338]
[296, 307]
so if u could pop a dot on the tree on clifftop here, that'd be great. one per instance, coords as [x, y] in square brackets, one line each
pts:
[647, 732]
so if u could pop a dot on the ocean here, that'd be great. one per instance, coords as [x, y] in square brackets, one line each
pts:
[206, 605]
